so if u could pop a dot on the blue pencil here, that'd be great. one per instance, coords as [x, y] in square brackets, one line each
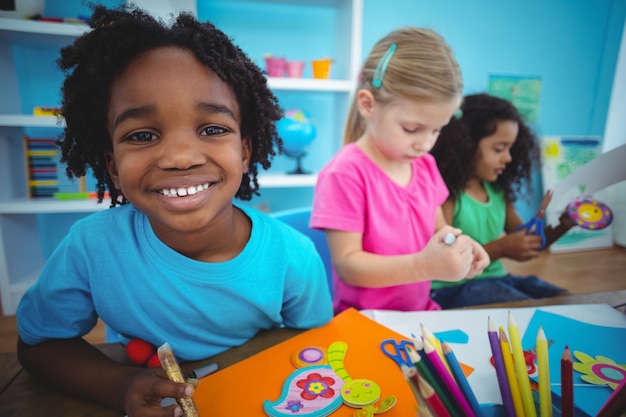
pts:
[460, 379]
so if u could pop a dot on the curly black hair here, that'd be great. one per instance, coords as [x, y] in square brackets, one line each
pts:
[456, 150]
[92, 63]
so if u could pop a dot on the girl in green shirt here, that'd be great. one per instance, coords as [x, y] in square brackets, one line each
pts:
[485, 156]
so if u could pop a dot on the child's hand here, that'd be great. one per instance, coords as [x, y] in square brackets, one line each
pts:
[481, 260]
[146, 390]
[520, 246]
[448, 262]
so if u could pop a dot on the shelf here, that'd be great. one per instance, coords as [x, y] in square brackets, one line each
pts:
[27, 120]
[311, 84]
[29, 32]
[52, 205]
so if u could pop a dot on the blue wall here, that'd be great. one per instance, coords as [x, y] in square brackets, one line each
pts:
[572, 46]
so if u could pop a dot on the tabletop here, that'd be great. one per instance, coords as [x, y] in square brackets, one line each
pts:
[22, 395]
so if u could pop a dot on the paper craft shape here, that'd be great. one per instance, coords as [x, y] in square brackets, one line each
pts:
[241, 389]
[313, 391]
[590, 213]
[356, 393]
[592, 339]
[599, 370]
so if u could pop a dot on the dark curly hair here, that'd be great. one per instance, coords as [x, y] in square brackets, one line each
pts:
[456, 150]
[92, 63]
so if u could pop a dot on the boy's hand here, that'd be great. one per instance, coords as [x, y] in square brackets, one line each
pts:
[146, 391]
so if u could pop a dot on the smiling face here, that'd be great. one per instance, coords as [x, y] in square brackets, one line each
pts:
[494, 151]
[178, 154]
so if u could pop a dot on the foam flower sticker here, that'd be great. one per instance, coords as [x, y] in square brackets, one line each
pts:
[599, 370]
[315, 386]
[294, 406]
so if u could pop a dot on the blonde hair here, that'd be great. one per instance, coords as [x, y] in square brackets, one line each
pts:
[422, 67]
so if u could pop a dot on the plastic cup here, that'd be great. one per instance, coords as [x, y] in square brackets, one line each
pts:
[275, 66]
[295, 69]
[321, 68]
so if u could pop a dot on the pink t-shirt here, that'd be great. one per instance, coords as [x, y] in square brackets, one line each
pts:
[354, 195]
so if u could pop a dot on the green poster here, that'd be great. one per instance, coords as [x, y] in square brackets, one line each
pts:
[522, 91]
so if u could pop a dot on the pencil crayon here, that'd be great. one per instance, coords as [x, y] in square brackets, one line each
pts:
[434, 402]
[507, 357]
[567, 384]
[520, 369]
[543, 365]
[616, 404]
[447, 380]
[498, 361]
[412, 377]
[428, 335]
[425, 372]
[460, 378]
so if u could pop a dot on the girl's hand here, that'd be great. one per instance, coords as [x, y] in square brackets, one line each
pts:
[146, 390]
[481, 260]
[520, 246]
[448, 262]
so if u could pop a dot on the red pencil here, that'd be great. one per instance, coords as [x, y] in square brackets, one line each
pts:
[432, 399]
[567, 384]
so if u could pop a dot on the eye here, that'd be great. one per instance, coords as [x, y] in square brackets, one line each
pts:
[141, 137]
[213, 130]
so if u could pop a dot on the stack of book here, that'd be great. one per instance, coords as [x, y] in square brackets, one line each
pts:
[45, 176]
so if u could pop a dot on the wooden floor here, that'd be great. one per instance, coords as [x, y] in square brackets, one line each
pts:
[579, 272]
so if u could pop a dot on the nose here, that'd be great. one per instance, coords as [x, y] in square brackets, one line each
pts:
[180, 151]
[507, 157]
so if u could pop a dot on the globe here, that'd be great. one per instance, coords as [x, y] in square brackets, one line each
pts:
[297, 132]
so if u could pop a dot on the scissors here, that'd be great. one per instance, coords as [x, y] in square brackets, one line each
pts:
[537, 224]
[396, 351]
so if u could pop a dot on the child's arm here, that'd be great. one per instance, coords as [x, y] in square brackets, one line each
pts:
[436, 261]
[78, 368]
[554, 233]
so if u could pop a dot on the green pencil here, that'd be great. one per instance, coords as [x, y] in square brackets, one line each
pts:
[426, 373]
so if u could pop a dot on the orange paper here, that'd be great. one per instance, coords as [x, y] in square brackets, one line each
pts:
[241, 388]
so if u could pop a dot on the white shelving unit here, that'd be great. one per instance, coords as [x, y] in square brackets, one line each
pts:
[21, 254]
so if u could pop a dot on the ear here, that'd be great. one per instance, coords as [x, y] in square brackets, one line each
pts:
[246, 152]
[366, 102]
[112, 168]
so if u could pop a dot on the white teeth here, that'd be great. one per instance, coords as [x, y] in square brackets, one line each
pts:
[182, 192]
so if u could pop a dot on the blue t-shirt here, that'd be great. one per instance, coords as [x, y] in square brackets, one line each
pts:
[111, 265]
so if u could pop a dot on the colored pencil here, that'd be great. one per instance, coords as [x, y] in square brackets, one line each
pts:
[567, 384]
[430, 337]
[543, 365]
[460, 378]
[520, 369]
[412, 377]
[616, 404]
[434, 402]
[424, 369]
[447, 380]
[507, 357]
[498, 362]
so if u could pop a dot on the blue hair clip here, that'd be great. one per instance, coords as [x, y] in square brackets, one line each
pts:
[379, 73]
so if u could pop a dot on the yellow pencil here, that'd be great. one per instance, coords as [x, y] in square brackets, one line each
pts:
[510, 373]
[436, 343]
[520, 369]
[543, 364]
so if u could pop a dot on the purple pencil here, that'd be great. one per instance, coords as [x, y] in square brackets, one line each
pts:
[448, 381]
[498, 360]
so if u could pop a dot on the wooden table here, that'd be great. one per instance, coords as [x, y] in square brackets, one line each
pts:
[21, 395]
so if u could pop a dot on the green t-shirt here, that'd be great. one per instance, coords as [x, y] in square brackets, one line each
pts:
[484, 222]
